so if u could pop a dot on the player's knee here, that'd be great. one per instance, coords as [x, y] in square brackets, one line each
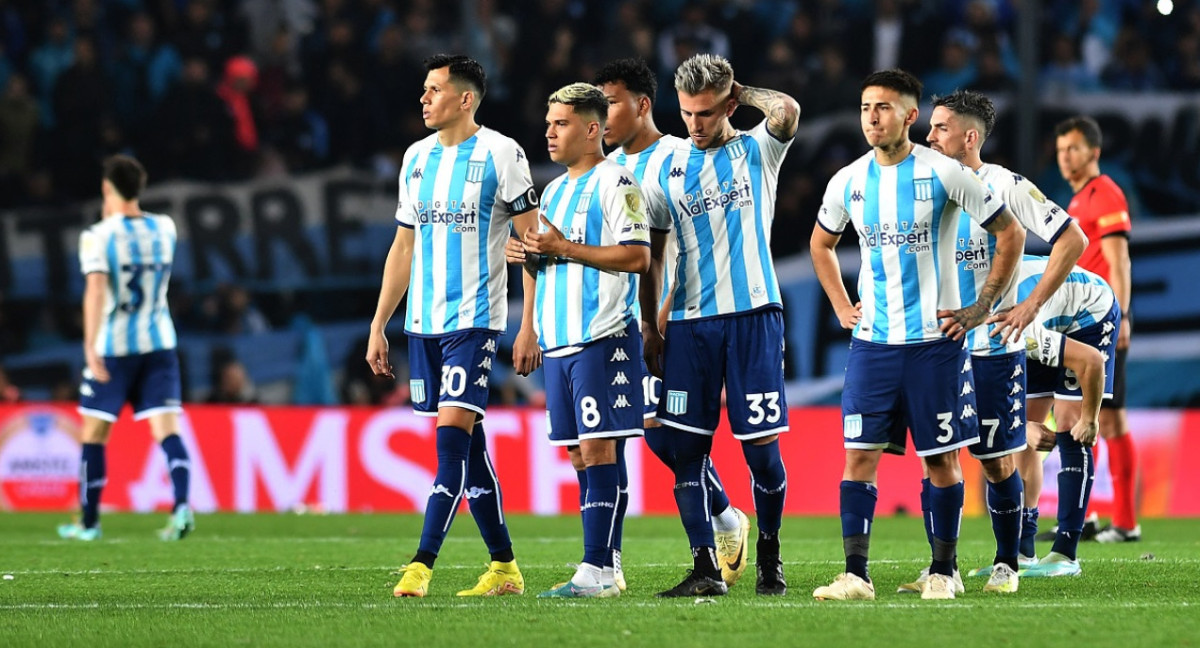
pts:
[944, 469]
[861, 465]
[576, 455]
[998, 469]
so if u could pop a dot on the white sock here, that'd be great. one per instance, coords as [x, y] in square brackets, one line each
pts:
[587, 575]
[606, 577]
[726, 521]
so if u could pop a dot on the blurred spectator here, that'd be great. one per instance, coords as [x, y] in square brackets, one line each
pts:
[1184, 69]
[18, 133]
[205, 33]
[193, 127]
[781, 70]
[360, 385]
[1130, 68]
[1093, 24]
[232, 385]
[235, 89]
[631, 36]
[265, 18]
[300, 134]
[956, 70]
[691, 33]
[833, 88]
[144, 70]
[48, 61]
[236, 313]
[992, 75]
[9, 393]
[80, 105]
[1065, 73]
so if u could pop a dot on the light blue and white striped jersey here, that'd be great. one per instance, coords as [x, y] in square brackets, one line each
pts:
[1083, 300]
[459, 200]
[906, 216]
[976, 248]
[136, 252]
[646, 166]
[722, 203]
[575, 303]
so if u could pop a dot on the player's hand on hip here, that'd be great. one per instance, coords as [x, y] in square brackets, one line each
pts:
[652, 350]
[527, 357]
[957, 322]
[1012, 322]
[850, 317]
[377, 355]
[1085, 432]
[549, 242]
[1039, 437]
[96, 366]
[1124, 333]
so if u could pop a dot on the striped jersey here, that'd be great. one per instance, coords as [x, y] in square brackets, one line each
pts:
[646, 166]
[976, 247]
[906, 216]
[458, 201]
[136, 252]
[575, 303]
[1083, 300]
[722, 205]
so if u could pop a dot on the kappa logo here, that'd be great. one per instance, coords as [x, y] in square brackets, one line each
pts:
[1106, 340]
[482, 382]
[417, 174]
[85, 389]
[490, 345]
[1017, 371]
[1016, 424]
[619, 356]
[966, 389]
[677, 402]
[520, 154]
[621, 402]
[475, 492]
[486, 364]
[967, 412]
[852, 426]
[856, 196]
[1107, 327]
[676, 172]
[1016, 389]
[1016, 406]
[623, 181]
[966, 365]
[440, 489]
[417, 390]
[1104, 354]
[621, 379]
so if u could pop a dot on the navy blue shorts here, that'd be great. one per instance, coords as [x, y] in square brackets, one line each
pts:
[651, 391]
[148, 381]
[1060, 382]
[926, 388]
[451, 370]
[1000, 399]
[743, 353]
[596, 393]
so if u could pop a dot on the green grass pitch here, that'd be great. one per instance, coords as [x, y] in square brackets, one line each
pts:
[292, 580]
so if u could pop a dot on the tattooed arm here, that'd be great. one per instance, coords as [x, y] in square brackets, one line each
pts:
[1010, 242]
[781, 110]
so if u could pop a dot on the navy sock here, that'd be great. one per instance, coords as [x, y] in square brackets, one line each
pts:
[485, 498]
[600, 514]
[179, 466]
[93, 474]
[1004, 505]
[945, 506]
[1074, 490]
[691, 492]
[718, 500]
[453, 450]
[926, 511]
[768, 480]
[1029, 527]
[661, 441]
[623, 493]
[858, 513]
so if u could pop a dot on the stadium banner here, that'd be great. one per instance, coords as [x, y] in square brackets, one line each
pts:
[253, 459]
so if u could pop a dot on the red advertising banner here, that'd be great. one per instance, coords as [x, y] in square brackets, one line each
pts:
[362, 459]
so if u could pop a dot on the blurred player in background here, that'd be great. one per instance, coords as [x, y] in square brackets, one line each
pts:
[959, 126]
[630, 86]
[592, 243]
[459, 188]
[904, 369]
[1084, 309]
[128, 342]
[726, 316]
[1101, 209]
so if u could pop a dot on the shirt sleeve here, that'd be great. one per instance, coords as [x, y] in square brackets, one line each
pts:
[1112, 211]
[1034, 210]
[833, 215]
[655, 199]
[969, 192]
[91, 253]
[624, 209]
[1043, 345]
[516, 188]
[773, 149]
[406, 212]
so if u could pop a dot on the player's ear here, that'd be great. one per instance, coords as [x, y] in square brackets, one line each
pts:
[913, 113]
[643, 106]
[468, 100]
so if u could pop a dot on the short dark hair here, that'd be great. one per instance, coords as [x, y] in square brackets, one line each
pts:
[464, 71]
[584, 98]
[1086, 127]
[633, 72]
[968, 103]
[126, 174]
[895, 79]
